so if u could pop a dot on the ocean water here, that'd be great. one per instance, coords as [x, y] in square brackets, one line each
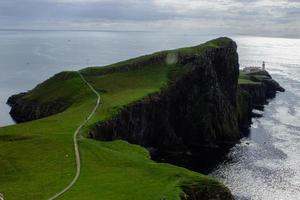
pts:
[264, 166]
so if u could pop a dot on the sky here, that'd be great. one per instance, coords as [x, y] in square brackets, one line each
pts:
[251, 17]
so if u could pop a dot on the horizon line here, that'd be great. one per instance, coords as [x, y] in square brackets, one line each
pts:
[145, 31]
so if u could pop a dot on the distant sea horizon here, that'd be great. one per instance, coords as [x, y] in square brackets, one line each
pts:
[288, 36]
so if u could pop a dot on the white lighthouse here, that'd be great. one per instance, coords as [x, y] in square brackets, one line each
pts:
[264, 65]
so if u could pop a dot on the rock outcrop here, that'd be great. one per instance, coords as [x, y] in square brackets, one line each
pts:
[23, 110]
[214, 192]
[42, 101]
[261, 88]
[196, 110]
[204, 108]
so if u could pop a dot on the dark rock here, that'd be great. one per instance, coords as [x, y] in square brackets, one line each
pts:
[264, 88]
[213, 192]
[23, 110]
[203, 110]
[197, 110]
[256, 115]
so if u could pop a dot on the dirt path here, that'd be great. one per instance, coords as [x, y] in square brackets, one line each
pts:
[75, 140]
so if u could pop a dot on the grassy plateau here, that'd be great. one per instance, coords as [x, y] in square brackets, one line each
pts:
[37, 157]
[252, 77]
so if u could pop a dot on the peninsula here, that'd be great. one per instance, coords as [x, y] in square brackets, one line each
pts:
[173, 102]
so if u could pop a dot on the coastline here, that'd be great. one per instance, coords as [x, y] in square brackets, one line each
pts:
[243, 112]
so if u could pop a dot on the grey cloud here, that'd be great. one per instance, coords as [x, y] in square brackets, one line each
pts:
[36, 10]
[150, 14]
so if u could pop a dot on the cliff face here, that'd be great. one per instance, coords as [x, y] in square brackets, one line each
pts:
[45, 99]
[198, 109]
[203, 107]
[209, 193]
[261, 88]
[23, 110]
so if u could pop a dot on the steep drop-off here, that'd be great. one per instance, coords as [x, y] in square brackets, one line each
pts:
[259, 85]
[45, 99]
[202, 104]
[171, 102]
[203, 109]
[197, 109]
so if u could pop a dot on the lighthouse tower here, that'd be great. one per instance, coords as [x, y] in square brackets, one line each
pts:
[264, 65]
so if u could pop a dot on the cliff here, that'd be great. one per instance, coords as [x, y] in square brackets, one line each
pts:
[205, 103]
[198, 109]
[46, 99]
[175, 102]
[23, 110]
[201, 111]
[259, 85]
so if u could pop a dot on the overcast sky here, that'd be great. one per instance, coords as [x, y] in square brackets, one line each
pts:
[262, 17]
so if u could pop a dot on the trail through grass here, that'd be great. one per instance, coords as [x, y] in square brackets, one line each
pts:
[75, 141]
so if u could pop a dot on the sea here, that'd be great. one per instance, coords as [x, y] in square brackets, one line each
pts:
[263, 166]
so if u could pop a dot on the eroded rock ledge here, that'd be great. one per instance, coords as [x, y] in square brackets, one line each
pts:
[23, 110]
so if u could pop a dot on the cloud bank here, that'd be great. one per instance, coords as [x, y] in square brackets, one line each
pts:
[265, 17]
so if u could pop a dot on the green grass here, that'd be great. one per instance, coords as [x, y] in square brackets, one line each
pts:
[124, 171]
[245, 78]
[51, 90]
[37, 158]
[246, 81]
[120, 89]
[132, 63]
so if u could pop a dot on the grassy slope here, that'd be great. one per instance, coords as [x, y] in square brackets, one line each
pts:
[36, 158]
[36, 165]
[245, 78]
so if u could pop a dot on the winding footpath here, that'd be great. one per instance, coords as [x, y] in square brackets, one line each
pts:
[75, 140]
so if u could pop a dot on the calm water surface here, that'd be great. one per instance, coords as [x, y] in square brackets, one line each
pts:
[268, 168]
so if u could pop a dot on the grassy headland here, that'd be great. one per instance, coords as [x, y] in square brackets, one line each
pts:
[37, 158]
[254, 77]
